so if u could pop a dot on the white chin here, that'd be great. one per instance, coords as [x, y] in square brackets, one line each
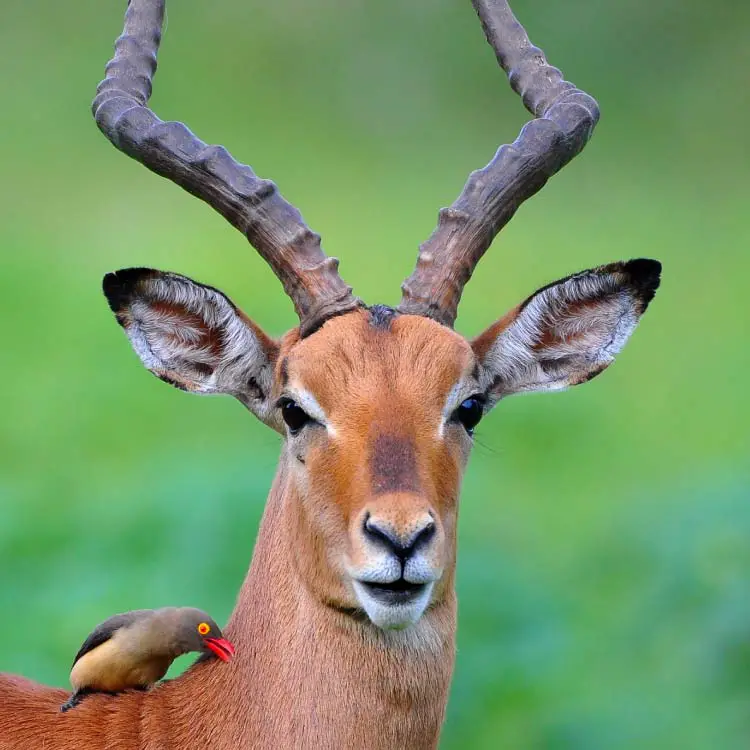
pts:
[393, 616]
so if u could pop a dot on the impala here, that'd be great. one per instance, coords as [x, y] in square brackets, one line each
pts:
[345, 625]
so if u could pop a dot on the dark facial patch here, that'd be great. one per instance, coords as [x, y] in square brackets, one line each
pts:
[381, 316]
[393, 465]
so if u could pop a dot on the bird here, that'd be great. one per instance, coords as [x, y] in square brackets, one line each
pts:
[133, 650]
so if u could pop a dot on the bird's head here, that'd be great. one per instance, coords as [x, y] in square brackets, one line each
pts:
[198, 632]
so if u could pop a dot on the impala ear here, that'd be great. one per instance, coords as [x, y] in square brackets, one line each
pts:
[567, 332]
[193, 337]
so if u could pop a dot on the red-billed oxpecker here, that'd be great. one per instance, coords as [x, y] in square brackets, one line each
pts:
[135, 649]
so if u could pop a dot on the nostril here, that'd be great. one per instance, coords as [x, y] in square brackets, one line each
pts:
[424, 535]
[383, 533]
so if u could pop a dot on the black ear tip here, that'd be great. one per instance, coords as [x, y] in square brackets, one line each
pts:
[645, 276]
[118, 286]
[644, 271]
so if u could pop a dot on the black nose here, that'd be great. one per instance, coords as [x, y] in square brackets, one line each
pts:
[403, 545]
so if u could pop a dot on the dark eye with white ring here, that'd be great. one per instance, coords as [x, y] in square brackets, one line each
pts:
[469, 413]
[294, 415]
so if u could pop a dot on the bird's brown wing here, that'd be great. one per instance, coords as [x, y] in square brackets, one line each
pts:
[105, 630]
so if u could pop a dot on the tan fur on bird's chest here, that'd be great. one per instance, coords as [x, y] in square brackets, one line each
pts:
[118, 664]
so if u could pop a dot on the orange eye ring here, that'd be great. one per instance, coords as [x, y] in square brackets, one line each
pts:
[204, 628]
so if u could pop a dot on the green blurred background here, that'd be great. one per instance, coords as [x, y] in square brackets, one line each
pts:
[604, 566]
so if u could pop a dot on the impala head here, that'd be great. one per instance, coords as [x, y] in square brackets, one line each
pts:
[377, 406]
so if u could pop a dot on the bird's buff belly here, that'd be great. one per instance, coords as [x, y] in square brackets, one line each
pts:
[108, 668]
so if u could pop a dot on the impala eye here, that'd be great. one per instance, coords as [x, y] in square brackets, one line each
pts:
[469, 413]
[294, 415]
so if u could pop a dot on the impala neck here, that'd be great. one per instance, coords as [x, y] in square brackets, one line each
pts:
[308, 675]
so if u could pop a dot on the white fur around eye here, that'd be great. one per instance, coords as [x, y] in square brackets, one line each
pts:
[309, 404]
[457, 395]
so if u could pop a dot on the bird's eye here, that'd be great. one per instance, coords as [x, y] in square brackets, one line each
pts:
[469, 413]
[294, 415]
[204, 628]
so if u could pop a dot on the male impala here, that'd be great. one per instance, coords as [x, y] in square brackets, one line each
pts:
[345, 625]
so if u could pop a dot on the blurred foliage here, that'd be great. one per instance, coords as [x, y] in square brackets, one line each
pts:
[605, 533]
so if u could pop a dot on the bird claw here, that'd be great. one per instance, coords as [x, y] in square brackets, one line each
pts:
[72, 702]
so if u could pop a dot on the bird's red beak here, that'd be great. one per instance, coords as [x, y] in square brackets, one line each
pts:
[221, 647]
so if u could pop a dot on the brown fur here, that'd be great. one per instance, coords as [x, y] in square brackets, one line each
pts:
[311, 670]
[309, 673]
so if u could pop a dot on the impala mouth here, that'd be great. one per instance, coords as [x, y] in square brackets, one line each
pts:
[397, 592]
[394, 605]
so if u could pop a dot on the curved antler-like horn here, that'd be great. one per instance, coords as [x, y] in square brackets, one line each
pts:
[253, 205]
[566, 118]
